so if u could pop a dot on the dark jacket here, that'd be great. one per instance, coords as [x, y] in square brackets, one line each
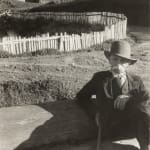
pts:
[99, 86]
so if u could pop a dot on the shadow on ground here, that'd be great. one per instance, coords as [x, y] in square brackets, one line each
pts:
[68, 124]
[68, 129]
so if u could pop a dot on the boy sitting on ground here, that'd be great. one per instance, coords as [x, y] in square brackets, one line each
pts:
[122, 102]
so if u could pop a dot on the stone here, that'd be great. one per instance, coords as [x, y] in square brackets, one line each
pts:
[56, 122]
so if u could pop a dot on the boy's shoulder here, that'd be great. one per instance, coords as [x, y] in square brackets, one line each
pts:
[103, 74]
[134, 76]
[107, 74]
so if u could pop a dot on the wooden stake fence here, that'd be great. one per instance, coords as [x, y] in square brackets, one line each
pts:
[104, 18]
[115, 28]
[18, 45]
[62, 42]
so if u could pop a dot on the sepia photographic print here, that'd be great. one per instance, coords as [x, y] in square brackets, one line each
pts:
[74, 74]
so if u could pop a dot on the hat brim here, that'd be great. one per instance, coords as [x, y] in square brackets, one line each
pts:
[131, 60]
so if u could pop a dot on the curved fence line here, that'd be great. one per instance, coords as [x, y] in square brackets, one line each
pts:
[115, 28]
[103, 18]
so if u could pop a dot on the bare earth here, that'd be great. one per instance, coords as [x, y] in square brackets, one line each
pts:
[80, 65]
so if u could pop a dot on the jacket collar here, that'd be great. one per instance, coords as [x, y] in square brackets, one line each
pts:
[108, 81]
[129, 76]
[130, 80]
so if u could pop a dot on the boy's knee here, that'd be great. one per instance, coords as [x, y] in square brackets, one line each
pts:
[138, 111]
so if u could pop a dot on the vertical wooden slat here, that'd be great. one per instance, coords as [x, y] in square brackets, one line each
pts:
[17, 45]
[61, 43]
[20, 45]
[117, 30]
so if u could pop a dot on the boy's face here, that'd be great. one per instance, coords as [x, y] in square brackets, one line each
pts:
[118, 64]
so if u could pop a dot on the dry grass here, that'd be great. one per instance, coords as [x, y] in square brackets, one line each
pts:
[39, 79]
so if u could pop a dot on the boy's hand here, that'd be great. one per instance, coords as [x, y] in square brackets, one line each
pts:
[121, 101]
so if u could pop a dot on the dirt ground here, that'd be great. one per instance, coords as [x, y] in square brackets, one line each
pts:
[68, 71]
[72, 68]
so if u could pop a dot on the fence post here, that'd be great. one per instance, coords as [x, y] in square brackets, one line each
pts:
[11, 45]
[117, 29]
[20, 45]
[61, 45]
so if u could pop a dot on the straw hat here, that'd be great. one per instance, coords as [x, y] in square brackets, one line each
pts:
[122, 49]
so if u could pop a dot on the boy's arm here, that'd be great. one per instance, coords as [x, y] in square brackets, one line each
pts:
[139, 95]
[84, 99]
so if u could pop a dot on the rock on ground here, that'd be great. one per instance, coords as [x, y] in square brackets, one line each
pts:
[36, 125]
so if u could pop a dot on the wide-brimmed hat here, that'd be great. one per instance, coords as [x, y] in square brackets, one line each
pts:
[122, 49]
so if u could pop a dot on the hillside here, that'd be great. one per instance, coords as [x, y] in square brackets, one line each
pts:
[15, 4]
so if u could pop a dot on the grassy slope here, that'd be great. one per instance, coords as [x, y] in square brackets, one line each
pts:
[68, 71]
[30, 80]
[20, 76]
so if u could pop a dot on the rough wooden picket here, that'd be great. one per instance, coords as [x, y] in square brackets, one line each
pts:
[115, 28]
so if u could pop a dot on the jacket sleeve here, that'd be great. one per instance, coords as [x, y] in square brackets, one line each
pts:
[83, 98]
[139, 95]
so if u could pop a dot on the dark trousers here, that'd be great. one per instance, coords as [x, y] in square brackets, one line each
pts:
[133, 121]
